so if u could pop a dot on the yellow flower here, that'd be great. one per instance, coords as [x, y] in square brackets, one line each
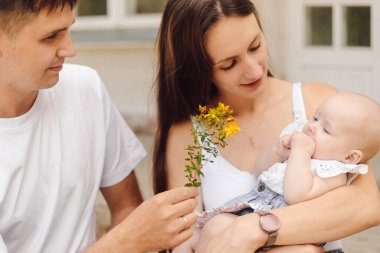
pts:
[231, 129]
[223, 109]
[217, 124]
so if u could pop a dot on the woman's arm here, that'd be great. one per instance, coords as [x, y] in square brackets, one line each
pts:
[339, 213]
[178, 139]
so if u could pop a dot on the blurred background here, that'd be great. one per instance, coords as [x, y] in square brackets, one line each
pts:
[330, 41]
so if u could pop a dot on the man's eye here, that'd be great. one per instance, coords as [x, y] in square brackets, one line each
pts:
[52, 37]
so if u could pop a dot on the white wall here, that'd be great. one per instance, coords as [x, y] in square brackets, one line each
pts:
[356, 69]
[128, 72]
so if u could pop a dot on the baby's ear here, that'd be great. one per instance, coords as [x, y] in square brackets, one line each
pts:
[354, 157]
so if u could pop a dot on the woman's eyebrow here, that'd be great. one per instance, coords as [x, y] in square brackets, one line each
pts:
[229, 58]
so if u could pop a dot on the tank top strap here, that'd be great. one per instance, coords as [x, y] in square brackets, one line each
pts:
[298, 104]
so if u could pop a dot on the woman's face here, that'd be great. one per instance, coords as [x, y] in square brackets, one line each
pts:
[238, 52]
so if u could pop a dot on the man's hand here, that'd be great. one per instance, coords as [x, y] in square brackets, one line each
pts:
[161, 222]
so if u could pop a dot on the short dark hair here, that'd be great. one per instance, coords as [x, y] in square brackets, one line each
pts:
[14, 14]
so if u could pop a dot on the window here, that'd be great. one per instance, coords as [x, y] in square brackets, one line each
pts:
[357, 20]
[319, 29]
[92, 8]
[99, 7]
[147, 6]
[118, 14]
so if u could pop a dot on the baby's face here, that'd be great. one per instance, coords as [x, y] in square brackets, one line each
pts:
[332, 129]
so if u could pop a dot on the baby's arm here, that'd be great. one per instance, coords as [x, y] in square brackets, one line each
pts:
[276, 154]
[299, 183]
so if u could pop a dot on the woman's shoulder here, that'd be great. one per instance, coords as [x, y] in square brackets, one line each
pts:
[176, 154]
[180, 135]
[319, 89]
[181, 129]
[314, 94]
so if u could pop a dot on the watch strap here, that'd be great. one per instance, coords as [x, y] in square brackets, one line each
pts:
[272, 236]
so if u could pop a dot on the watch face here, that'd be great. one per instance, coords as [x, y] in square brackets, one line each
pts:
[270, 223]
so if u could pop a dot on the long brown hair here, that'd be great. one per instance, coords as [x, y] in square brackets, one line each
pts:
[184, 78]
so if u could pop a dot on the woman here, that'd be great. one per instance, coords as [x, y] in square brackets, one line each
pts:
[214, 50]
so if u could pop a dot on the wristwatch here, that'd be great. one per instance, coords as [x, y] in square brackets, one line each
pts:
[270, 224]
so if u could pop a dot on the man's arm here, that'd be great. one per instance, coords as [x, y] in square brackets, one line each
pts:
[122, 198]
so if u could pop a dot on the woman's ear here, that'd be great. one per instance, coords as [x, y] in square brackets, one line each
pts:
[354, 157]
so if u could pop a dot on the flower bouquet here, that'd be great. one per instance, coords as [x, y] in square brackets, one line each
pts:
[212, 126]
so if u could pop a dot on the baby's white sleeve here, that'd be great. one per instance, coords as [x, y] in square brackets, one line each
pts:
[332, 168]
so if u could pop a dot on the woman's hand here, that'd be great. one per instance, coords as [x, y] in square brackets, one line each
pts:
[243, 236]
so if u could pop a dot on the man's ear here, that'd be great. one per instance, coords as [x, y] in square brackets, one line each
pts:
[354, 157]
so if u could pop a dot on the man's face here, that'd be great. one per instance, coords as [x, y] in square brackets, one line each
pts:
[32, 59]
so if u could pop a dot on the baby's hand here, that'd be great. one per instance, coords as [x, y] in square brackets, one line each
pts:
[300, 140]
[283, 147]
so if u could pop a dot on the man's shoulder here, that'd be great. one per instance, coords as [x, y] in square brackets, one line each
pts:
[79, 77]
[78, 71]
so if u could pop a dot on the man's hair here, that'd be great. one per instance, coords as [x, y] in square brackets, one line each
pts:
[14, 14]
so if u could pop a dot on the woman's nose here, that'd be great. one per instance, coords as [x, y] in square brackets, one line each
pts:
[252, 70]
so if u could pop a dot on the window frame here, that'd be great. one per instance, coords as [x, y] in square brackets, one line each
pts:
[338, 25]
[118, 18]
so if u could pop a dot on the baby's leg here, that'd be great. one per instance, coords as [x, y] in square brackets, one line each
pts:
[189, 245]
[212, 228]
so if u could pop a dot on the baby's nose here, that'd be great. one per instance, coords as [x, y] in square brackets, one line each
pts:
[309, 128]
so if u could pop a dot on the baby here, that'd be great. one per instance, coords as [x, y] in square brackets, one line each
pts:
[310, 159]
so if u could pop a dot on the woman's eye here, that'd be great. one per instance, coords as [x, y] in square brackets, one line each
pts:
[315, 118]
[230, 66]
[253, 49]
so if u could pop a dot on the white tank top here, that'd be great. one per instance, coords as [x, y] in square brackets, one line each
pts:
[222, 181]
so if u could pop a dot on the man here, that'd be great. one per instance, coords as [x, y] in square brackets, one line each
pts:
[61, 139]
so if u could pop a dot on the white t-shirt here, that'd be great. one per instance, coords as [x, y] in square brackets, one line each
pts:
[53, 161]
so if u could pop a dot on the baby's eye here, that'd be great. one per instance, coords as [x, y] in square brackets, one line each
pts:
[326, 131]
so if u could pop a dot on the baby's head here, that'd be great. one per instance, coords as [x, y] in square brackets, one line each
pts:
[346, 127]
